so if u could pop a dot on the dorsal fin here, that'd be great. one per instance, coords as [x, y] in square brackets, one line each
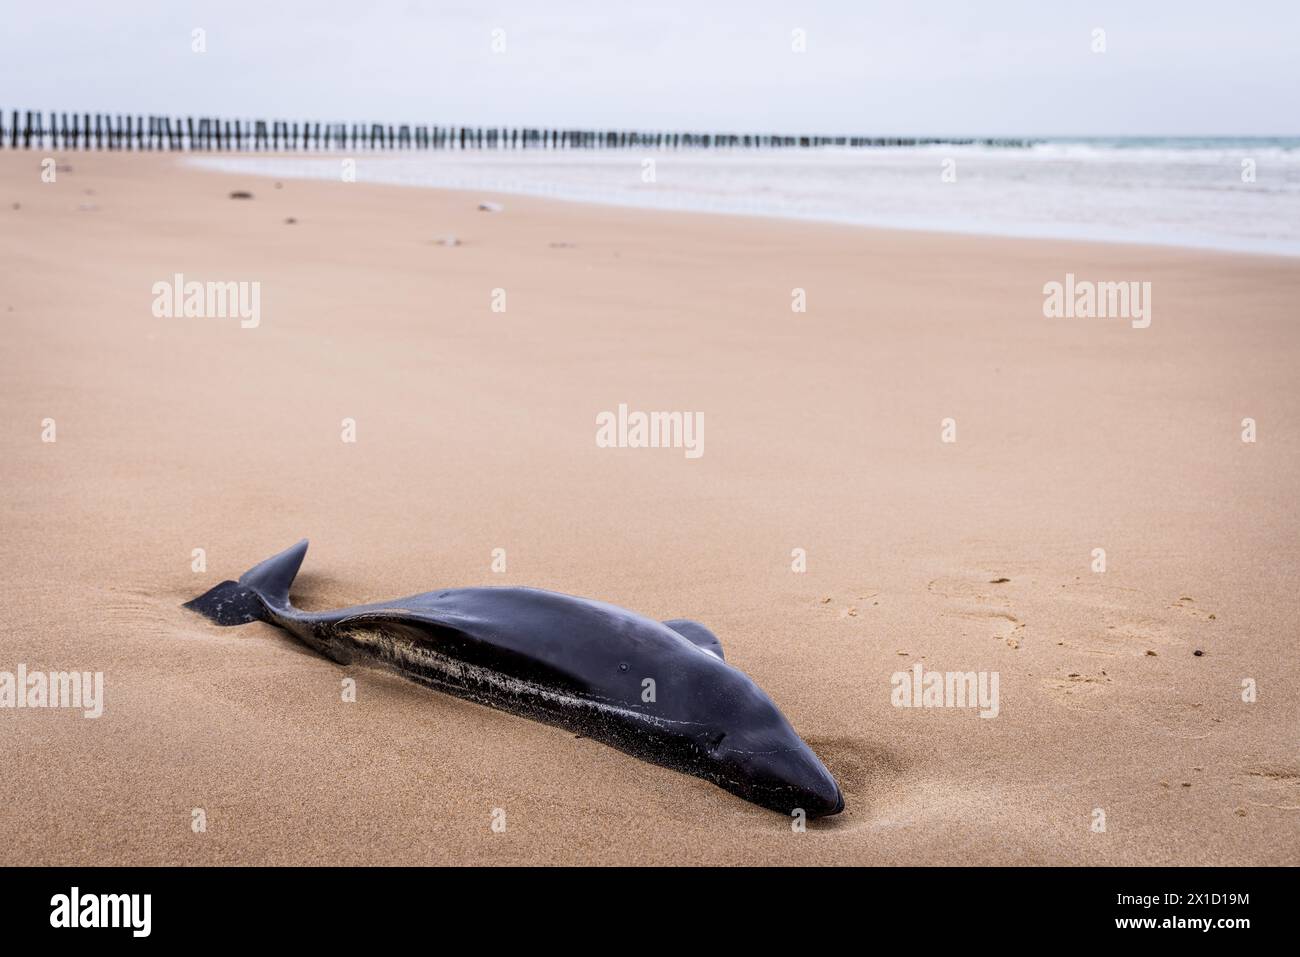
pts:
[697, 634]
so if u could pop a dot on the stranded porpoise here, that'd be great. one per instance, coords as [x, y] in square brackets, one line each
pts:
[658, 690]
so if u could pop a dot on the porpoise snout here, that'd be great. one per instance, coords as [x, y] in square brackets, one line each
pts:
[795, 778]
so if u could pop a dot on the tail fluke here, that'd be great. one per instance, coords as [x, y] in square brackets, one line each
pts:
[263, 587]
[271, 579]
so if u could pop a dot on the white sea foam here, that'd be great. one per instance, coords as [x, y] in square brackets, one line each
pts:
[1188, 193]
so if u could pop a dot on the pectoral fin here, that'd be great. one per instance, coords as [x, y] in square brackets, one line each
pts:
[697, 634]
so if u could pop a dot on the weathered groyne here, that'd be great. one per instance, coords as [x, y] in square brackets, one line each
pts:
[120, 131]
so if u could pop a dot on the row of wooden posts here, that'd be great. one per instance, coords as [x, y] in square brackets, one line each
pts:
[101, 131]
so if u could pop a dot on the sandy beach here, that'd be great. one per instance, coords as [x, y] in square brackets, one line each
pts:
[1120, 691]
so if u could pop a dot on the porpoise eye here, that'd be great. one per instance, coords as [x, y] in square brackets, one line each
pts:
[622, 666]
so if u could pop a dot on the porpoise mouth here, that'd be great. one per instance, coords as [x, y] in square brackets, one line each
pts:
[791, 779]
[823, 805]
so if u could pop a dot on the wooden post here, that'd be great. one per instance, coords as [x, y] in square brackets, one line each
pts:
[129, 132]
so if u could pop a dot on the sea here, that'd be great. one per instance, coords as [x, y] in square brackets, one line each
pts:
[1237, 194]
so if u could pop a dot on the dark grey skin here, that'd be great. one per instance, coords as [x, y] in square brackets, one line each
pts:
[580, 664]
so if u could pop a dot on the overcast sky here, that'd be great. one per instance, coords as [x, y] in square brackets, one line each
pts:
[944, 67]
